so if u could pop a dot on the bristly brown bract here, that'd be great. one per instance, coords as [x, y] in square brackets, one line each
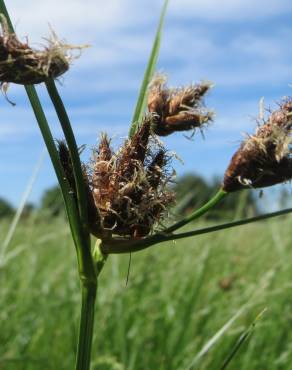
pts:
[66, 163]
[20, 64]
[263, 159]
[177, 109]
[67, 166]
[129, 187]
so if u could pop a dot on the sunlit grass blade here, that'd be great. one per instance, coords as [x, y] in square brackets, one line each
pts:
[178, 341]
[243, 337]
[21, 206]
[212, 341]
[141, 102]
[11, 255]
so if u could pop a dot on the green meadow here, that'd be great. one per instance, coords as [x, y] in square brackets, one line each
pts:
[185, 306]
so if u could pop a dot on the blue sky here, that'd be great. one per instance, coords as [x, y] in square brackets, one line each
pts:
[243, 46]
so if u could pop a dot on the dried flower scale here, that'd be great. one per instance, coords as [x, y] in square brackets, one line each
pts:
[128, 190]
[263, 159]
[177, 109]
[129, 187]
[20, 64]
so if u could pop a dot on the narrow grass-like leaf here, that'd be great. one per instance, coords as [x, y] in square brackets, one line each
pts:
[178, 342]
[21, 206]
[243, 337]
[72, 146]
[212, 341]
[141, 102]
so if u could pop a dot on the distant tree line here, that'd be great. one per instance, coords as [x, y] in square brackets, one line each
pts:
[192, 191]
[51, 205]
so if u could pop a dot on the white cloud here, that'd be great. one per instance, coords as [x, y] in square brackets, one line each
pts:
[15, 123]
[230, 10]
[116, 30]
[77, 19]
[202, 39]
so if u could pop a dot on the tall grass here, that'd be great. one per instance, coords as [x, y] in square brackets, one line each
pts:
[174, 303]
[163, 320]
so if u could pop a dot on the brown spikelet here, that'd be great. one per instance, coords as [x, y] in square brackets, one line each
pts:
[66, 163]
[264, 158]
[132, 154]
[129, 186]
[65, 159]
[158, 95]
[179, 109]
[101, 172]
[104, 150]
[20, 64]
[93, 212]
[154, 170]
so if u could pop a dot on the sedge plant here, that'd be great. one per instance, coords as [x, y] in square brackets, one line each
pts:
[121, 197]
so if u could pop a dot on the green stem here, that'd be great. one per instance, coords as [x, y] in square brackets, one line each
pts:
[127, 246]
[80, 236]
[72, 146]
[86, 326]
[98, 257]
[198, 213]
[49, 142]
[48, 139]
[86, 266]
[89, 290]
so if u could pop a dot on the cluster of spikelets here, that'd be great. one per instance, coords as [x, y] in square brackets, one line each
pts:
[263, 159]
[21, 64]
[177, 109]
[128, 192]
[130, 188]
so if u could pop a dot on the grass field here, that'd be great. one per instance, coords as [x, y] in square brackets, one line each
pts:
[178, 297]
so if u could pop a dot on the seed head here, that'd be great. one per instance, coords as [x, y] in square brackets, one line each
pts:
[129, 187]
[20, 64]
[178, 109]
[263, 159]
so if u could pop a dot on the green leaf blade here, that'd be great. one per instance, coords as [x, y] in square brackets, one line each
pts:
[242, 339]
[150, 69]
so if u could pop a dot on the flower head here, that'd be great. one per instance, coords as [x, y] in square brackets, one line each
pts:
[129, 187]
[177, 109]
[20, 64]
[263, 159]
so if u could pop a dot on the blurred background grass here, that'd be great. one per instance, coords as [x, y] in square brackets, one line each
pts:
[178, 297]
